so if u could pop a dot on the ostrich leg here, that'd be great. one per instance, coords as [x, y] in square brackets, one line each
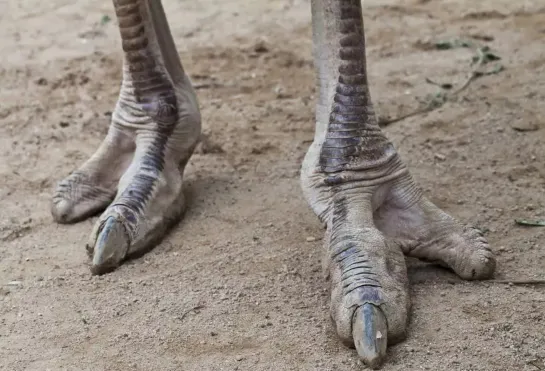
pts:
[139, 166]
[374, 211]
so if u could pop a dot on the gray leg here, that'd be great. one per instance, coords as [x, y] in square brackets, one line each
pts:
[357, 184]
[136, 174]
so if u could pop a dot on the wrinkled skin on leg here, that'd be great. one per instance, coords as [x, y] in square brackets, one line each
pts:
[352, 176]
[374, 211]
[136, 174]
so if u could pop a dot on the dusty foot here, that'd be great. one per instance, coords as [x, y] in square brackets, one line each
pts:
[138, 169]
[155, 127]
[370, 224]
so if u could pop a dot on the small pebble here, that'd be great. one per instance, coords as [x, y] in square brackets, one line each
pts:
[311, 239]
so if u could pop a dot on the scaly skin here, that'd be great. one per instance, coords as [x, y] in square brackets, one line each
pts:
[158, 122]
[374, 211]
[352, 176]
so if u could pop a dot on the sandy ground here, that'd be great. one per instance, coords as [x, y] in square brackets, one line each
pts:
[237, 285]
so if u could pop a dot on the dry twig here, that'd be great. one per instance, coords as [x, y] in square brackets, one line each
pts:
[439, 99]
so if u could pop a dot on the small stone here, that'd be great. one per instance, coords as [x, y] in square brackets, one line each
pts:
[239, 358]
[311, 239]
[41, 81]
[524, 125]
[15, 283]
[261, 47]
[440, 157]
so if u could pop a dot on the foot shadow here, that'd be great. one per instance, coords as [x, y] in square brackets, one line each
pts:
[421, 272]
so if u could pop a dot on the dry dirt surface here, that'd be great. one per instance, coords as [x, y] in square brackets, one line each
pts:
[238, 284]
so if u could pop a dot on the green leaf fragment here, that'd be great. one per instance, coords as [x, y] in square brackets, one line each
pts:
[446, 86]
[444, 45]
[492, 57]
[105, 19]
[497, 69]
[452, 44]
[530, 223]
[484, 55]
